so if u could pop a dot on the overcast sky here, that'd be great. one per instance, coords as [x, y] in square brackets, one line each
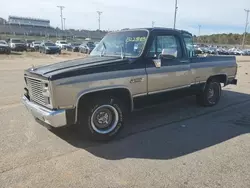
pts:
[214, 16]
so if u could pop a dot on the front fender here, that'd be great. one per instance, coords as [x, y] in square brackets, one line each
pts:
[99, 89]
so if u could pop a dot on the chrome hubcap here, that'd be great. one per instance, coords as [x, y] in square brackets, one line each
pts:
[104, 119]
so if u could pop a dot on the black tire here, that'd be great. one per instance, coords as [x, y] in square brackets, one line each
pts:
[8, 52]
[211, 94]
[109, 109]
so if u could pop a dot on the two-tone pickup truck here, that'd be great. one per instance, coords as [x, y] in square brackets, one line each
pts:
[124, 68]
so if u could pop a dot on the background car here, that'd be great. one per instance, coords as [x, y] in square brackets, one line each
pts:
[246, 52]
[4, 47]
[74, 47]
[61, 43]
[35, 45]
[49, 48]
[28, 43]
[17, 45]
[96, 43]
[86, 47]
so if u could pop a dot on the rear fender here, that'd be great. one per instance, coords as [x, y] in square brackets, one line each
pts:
[222, 78]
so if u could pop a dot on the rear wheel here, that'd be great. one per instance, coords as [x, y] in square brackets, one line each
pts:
[211, 94]
[102, 118]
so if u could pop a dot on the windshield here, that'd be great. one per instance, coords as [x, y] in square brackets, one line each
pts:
[17, 41]
[63, 42]
[37, 42]
[49, 44]
[130, 42]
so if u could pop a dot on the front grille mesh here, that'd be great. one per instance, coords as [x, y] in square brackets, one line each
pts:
[35, 91]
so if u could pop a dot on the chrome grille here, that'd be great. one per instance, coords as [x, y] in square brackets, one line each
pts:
[35, 90]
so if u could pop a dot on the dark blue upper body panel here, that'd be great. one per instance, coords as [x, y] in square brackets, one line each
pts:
[96, 64]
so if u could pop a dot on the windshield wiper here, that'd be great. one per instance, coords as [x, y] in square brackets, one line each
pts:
[104, 48]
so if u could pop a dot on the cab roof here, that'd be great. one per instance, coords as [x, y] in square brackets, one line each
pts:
[159, 29]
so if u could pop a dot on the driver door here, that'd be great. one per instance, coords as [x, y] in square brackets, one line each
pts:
[173, 73]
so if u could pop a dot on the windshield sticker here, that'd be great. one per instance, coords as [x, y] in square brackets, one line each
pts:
[136, 39]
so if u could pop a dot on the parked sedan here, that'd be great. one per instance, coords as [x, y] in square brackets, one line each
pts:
[4, 47]
[49, 48]
[247, 52]
[74, 47]
[86, 47]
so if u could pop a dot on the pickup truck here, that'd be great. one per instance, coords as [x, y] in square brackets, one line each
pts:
[61, 44]
[17, 45]
[126, 67]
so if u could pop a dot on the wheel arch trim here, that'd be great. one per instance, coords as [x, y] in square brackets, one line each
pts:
[220, 74]
[99, 89]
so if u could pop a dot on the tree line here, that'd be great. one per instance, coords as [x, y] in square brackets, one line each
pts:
[230, 38]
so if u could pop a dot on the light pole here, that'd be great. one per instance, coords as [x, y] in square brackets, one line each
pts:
[61, 8]
[199, 32]
[153, 24]
[99, 18]
[244, 35]
[64, 19]
[175, 13]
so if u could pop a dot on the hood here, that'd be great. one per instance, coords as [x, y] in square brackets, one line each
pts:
[18, 43]
[77, 65]
[52, 47]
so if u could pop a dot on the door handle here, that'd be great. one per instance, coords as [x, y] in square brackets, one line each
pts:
[134, 80]
[185, 61]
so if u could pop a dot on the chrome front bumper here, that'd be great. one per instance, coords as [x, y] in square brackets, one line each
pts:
[55, 118]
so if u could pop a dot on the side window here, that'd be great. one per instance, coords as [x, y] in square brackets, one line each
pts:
[188, 39]
[167, 42]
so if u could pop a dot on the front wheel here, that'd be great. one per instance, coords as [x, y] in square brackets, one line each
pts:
[211, 94]
[8, 52]
[102, 118]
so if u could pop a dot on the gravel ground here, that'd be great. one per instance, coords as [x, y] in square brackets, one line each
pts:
[173, 145]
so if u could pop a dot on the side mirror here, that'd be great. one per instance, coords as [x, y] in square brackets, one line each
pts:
[168, 53]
